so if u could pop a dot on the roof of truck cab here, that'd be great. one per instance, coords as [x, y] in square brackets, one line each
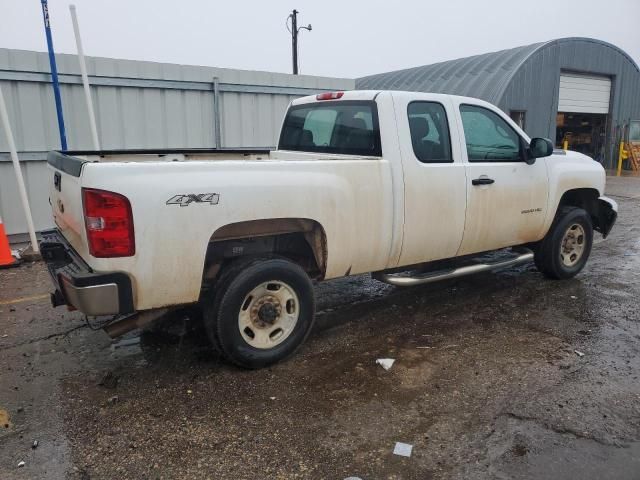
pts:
[372, 94]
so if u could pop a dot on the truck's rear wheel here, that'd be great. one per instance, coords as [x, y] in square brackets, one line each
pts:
[565, 249]
[263, 310]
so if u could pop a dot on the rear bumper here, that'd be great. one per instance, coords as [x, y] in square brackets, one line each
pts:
[76, 285]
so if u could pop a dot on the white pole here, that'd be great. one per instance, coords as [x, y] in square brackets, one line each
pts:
[4, 117]
[85, 78]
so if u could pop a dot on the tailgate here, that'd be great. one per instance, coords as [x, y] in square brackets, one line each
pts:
[65, 196]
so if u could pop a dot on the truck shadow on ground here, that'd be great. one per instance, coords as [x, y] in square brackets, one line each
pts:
[358, 302]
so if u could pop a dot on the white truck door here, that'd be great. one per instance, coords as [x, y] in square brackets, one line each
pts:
[434, 177]
[506, 197]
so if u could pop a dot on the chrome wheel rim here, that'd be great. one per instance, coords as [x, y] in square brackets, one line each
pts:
[573, 243]
[269, 314]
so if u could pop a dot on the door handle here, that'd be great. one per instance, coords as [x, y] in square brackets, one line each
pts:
[482, 181]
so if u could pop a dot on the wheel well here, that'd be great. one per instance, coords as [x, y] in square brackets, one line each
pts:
[298, 239]
[588, 199]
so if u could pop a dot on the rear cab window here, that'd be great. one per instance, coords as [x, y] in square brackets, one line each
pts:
[340, 127]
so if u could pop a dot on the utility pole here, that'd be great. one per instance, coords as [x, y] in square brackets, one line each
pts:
[294, 38]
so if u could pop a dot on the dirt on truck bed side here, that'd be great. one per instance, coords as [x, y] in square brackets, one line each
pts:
[503, 375]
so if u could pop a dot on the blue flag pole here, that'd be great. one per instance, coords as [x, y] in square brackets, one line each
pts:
[54, 75]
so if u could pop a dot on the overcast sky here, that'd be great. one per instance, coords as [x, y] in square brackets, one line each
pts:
[349, 38]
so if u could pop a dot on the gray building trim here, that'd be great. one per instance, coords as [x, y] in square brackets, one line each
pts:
[99, 81]
[25, 156]
[216, 111]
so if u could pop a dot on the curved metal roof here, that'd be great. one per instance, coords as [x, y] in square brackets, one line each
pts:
[483, 76]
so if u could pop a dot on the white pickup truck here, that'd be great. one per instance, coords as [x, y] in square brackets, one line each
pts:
[362, 181]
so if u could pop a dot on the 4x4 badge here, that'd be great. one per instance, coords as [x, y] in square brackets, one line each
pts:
[186, 199]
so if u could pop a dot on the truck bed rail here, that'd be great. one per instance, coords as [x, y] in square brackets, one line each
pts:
[69, 162]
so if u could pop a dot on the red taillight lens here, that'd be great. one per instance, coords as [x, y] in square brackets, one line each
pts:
[329, 96]
[109, 223]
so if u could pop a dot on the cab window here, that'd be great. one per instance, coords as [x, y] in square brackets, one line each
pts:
[489, 137]
[429, 132]
[343, 127]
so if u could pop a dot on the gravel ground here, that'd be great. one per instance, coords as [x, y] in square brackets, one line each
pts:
[487, 383]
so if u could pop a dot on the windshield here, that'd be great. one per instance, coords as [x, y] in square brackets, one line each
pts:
[344, 127]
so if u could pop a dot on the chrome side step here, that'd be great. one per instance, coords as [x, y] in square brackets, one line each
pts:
[401, 280]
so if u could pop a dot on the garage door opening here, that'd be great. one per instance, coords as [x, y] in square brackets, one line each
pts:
[583, 114]
[583, 132]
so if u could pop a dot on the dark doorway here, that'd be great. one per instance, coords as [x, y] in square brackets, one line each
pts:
[583, 132]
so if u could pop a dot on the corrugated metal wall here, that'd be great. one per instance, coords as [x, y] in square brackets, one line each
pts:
[481, 76]
[137, 105]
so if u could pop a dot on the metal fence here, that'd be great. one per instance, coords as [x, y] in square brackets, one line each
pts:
[137, 105]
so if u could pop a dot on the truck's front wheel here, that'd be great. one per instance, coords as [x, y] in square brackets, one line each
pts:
[262, 311]
[565, 249]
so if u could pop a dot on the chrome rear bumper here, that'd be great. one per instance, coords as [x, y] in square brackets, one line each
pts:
[78, 286]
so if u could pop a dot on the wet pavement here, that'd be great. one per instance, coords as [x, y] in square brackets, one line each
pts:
[504, 375]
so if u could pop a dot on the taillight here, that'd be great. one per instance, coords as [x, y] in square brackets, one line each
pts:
[329, 96]
[109, 224]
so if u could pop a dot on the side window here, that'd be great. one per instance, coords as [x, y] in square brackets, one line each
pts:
[429, 132]
[488, 136]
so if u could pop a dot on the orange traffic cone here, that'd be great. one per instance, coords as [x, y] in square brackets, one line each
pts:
[6, 259]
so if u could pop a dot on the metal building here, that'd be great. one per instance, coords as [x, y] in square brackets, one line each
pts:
[579, 90]
[137, 105]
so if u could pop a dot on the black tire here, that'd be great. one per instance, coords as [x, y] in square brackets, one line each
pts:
[221, 313]
[549, 252]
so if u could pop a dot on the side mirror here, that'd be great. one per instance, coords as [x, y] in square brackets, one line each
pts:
[540, 147]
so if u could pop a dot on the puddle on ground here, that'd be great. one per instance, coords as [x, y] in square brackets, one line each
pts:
[126, 347]
[584, 459]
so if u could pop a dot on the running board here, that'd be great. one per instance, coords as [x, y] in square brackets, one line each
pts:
[400, 280]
